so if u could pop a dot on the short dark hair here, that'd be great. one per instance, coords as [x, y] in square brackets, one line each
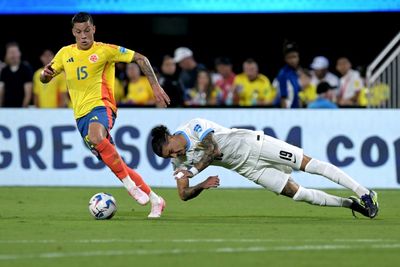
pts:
[323, 87]
[289, 47]
[159, 136]
[82, 17]
[11, 44]
[222, 61]
[250, 61]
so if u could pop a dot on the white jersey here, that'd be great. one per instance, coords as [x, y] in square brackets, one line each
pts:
[240, 148]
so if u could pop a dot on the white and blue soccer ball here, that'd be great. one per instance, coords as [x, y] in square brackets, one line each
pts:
[102, 206]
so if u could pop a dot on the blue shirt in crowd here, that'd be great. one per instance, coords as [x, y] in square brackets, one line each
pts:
[288, 86]
[322, 103]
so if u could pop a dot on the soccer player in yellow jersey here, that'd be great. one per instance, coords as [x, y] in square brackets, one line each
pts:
[89, 70]
[52, 94]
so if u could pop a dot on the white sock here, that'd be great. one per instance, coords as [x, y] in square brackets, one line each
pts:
[128, 183]
[154, 198]
[317, 197]
[336, 175]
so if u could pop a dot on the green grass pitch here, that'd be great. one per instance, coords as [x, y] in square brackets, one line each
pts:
[46, 226]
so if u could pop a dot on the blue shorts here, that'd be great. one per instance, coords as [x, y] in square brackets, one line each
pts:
[102, 115]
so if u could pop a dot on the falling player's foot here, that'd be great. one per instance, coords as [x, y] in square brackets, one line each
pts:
[370, 201]
[141, 197]
[357, 206]
[157, 208]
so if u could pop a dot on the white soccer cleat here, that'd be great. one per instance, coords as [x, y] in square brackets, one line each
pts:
[157, 208]
[141, 197]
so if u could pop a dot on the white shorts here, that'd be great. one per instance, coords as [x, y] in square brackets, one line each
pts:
[276, 163]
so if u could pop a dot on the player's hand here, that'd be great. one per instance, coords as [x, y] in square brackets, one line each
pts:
[211, 182]
[47, 73]
[162, 99]
[182, 174]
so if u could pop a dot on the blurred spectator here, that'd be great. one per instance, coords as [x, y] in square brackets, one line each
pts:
[120, 82]
[200, 94]
[189, 67]
[325, 96]
[287, 84]
[120, 71]
[119, 90]
[253, 88]
[351, 83]
[15, 79]
[53, 94]
[139, 89]
[224, 78]
[308, 91]
[169, 81]
[2, 65]
[321, 73]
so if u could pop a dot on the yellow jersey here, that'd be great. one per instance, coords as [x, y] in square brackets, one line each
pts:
[308, 94]
[257, 92]
[140, 92]
[90, 74]
[49, 94]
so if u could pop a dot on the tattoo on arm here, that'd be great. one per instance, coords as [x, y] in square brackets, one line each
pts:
[146, 68]
[211, 151]
[186, 192]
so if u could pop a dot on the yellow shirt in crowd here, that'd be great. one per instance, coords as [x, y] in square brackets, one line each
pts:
[49, 94]
[308, 94]
[257, 92]
[140, 92]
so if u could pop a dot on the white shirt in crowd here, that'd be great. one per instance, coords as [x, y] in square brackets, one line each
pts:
[350, 84]
[330, 78]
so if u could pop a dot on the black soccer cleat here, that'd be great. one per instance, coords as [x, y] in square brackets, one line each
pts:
[370, 201]
[358, 206]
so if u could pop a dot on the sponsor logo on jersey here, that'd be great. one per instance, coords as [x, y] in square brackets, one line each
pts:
[71, 59]
[122, 50]
[93, 58]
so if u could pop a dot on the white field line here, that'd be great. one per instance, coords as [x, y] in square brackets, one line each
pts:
[215, 240]
[97, 253]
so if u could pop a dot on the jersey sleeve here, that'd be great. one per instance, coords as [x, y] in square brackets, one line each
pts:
[57, 65]
[199, 128]
[120, 54]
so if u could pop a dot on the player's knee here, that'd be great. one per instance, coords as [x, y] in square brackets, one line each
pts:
[95, 138]
[304, 162]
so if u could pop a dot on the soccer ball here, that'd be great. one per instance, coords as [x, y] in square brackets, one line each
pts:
[102, 206]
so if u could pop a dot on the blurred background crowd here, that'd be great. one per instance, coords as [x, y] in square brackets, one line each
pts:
[190, 83]
[207, 71]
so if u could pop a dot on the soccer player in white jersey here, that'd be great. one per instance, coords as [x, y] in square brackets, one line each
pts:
[260, 158]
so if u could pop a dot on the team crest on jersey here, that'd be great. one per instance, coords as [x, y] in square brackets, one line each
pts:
[93, 58]
[197, 128]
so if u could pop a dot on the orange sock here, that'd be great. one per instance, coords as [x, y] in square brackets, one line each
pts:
[138, 180]
[111, 158]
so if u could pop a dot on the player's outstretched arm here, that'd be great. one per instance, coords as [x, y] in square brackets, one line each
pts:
[161, 97]
[47, 74]
[186, 192]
